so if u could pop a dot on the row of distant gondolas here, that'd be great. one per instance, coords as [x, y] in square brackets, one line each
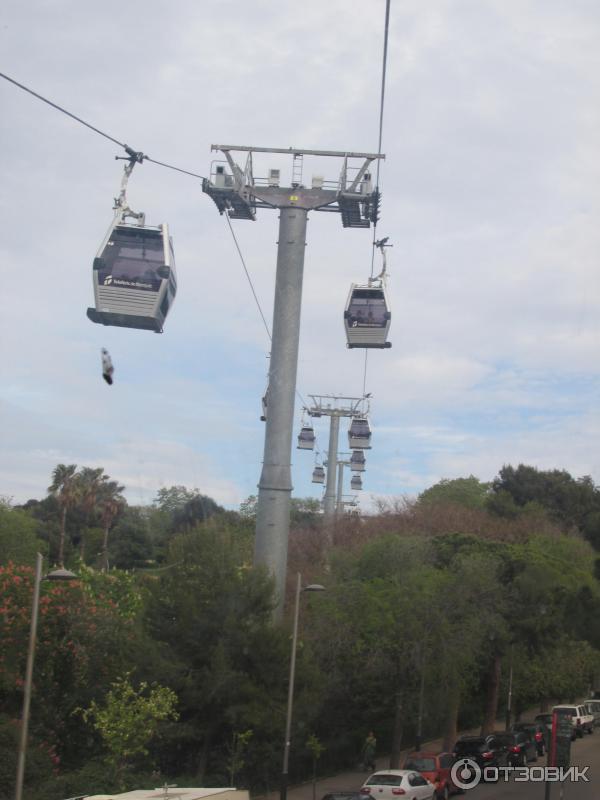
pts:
[359, 439]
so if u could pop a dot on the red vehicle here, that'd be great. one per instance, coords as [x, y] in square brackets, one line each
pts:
[435, 767]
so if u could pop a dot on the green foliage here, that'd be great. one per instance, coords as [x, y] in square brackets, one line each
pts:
[442, 588]
[19, 540]
[129, 718]
[210, 614]
[236, 749]
[571, 502]
[303, 510]
[469, 492]
[79, 625]
[315, 747]
[174, 498]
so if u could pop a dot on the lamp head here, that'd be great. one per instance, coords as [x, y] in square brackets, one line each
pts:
[61, 574]
[314, 587]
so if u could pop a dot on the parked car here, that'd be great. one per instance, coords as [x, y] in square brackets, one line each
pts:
[536, 731]
[520, 747]
[582, 721]
[436, 768]
[593, 708]
[486, 752]
[389, 784]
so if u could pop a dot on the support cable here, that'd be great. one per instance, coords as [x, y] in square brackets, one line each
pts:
[243, 260]
[256, 300]
[138, 155]
[379, 144]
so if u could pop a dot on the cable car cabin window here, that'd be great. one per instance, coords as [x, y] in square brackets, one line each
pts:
[360, 427]
[367, 309]
[133, 258]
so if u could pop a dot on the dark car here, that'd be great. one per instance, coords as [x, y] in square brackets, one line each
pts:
[520, 748]
[436, 768]
[537, 732]
[485, 751]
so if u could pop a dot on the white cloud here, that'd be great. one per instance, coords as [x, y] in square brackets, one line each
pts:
[490, 195]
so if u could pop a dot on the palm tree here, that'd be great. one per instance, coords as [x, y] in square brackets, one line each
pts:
[65, 488]
[90, 481]
[110, 502]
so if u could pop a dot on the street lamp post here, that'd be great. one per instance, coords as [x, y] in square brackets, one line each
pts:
[56, 575]
[313, 587]
[419, 736]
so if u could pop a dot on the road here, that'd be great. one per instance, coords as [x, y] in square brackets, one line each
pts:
[584, 752]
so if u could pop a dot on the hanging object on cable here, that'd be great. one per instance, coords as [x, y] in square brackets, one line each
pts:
[318, 475]
[358, 461]
[356, 482]
[134, 270]
[107, 367]
[367, 317]
[264, 404]
[359, 434]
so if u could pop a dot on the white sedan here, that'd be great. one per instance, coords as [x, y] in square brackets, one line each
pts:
[393, 784]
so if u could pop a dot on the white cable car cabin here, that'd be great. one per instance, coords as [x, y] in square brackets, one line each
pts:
[306, 438]
[356, 482]
[134, 277]
[358, 461]
[359, 434]
[318, 475]
[367, 317]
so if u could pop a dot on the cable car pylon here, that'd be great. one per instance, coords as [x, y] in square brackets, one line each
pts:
[237, 193]
[335, 407]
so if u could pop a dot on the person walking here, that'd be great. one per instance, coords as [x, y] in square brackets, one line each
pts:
[368, 752]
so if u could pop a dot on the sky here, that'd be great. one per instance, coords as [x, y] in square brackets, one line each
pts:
[491, 198]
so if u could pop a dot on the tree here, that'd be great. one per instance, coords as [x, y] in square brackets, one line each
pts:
[129, 718]
[65, 488]
[131, 544]
[19, 541]
[111, 502]
[91, 481]
[209, 613]
[236, 750]
[87, 635]
[316, 750]
[469, 492]
[174, 497]
[303, 510]
[569, 501]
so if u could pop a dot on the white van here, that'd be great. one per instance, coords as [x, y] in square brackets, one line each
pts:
[581, 719]
[593, 708]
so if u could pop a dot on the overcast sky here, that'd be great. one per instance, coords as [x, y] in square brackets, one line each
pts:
[491, 197]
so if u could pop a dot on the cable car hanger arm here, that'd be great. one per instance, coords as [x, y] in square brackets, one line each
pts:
[381, 244]
[121, 206]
